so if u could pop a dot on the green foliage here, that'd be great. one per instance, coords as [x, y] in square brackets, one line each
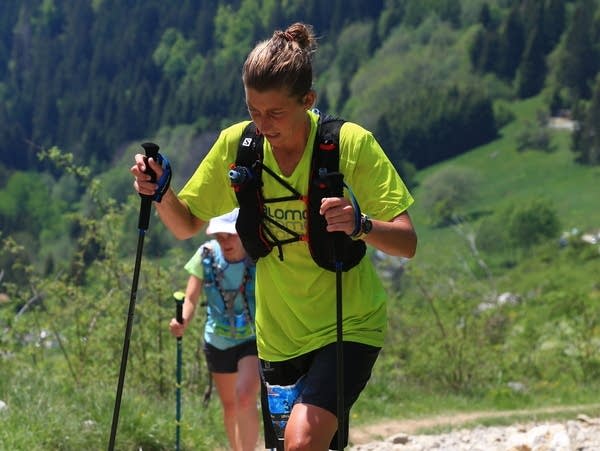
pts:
[58, 416]
[534, 136]
[533, 222]
[26, 203]
[445, 193]
[458, 333]
[435, 111]
[340, 60]
[107, 88]
[518, 227]
[503, 115]
[174, 54]
[70, 325]
[575, 64]
[492, 235]
[532, 71]
[515, 49]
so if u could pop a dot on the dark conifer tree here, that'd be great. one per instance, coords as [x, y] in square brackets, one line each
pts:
[554, 19]
[532, 71]
[579, 59]
[511, 45]
[586, 139]
[485, 17]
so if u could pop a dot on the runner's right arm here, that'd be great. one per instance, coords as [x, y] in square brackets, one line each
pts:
[174, 213]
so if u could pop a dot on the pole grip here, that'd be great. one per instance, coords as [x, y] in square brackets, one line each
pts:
[336, 184]
[151, 151]
[335, 188]
[179, 297]
[179, 312]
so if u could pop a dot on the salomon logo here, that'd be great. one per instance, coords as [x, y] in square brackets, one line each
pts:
[247, 142]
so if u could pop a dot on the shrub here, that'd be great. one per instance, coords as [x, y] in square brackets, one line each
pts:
[532, 223]
[446, 191]
[534, 137]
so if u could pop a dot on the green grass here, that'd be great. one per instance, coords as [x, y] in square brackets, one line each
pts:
[507, 177]
[45, 412]
[410, 402]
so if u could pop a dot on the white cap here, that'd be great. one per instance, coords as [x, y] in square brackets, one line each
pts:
[224, 223]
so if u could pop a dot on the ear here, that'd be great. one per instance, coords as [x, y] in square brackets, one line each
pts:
[309, 99]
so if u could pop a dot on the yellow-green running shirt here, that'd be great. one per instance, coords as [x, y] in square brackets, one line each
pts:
[295, 298]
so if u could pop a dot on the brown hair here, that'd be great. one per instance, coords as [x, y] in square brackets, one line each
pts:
[284, 61]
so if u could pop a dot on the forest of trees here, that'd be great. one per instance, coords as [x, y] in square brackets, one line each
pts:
[431, 78]
[90, 75]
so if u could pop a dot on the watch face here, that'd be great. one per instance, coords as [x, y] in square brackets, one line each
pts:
[367, 225]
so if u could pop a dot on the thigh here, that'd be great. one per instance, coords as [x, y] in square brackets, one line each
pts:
[225, 384]
[248, 375]
[310, 427]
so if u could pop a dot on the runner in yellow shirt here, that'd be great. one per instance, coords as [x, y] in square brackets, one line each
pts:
[296, 317]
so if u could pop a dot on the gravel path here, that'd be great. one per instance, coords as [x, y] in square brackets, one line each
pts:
[581, 433]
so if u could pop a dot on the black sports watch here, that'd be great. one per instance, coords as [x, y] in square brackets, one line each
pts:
[366, 225]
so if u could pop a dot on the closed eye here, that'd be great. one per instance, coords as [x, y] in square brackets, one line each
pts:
[275, 114]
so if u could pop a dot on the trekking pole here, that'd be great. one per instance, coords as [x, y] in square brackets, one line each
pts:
[339, 339]
[151, 150]
[179, 297]
[336, 189]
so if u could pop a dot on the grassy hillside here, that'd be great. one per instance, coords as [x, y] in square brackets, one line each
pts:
[545, 343]
[507, 176]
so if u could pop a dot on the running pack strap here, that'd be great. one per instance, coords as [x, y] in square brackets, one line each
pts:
[248, 190]
[213, 274]
[253, 225]
[326, 180]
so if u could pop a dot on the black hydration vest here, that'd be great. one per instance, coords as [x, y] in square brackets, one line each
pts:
[330, 251]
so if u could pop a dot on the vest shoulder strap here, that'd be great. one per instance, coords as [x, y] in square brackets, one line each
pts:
[325, 180]
[250, 149]
[328, 181]
[248, 190]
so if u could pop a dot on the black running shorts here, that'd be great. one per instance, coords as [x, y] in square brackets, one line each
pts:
[320, 368]
[226, 360]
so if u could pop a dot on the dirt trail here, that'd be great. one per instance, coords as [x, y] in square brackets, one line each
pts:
[386, 428]
[363, 434]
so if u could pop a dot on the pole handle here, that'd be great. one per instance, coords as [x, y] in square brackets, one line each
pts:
[151, 151]
[334, 181]
[179, 297]
[179, 312]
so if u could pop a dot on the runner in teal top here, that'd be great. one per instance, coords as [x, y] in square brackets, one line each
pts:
[296, 298]
[229, 295]
[222, 274]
